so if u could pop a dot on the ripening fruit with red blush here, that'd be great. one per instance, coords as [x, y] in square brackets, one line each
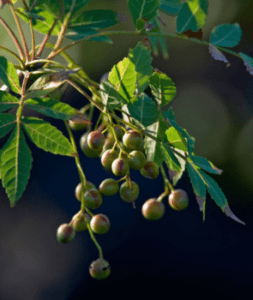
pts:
[96, 140]
[178, 199]
[150, 170]
[65, 233]
[100, 224]
[100, 269]
[153, 210]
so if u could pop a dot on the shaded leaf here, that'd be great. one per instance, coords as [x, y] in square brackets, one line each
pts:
[143, 9]
[170, 159]
[152, 147]
[7, 101]
[52, 108]
[15, 165]
[7, 121]
[205, 164]
[143, 109]
[109, 96]
[162, 87]
[196, 181]
[192, 15]
[75, 35]
[46, 136]
[8, 75]
[202, 205]
[142, 59]
[123, 77]
[171, 7]
[216, 54]
[230, 214]
[226, 35]
[248, 62]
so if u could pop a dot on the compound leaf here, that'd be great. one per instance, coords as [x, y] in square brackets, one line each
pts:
[226, 35]
[7, 121]
[46, 136]
[192, 15]
[8, 75]
[52, 108]
[15, 165]
[7, 101]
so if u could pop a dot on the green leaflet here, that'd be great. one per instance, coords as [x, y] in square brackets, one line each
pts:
[52, 108]
[46, 136]
[248, 62]
[7, 101]
[192, 15]
[153, 149]
[175, 139]
[110, 97]
[205, 164]
[75, 35]
[123, 77]
[226, 35]
[15, 165]
[143, 9]
[196, 181]
[162, 88]
[142, 59]
[171, 7]
[8, 75]
[143, 109]
[7, 121]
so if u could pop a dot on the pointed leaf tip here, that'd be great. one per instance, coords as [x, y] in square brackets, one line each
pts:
[216, 54]
[200, 202]
[230, 214]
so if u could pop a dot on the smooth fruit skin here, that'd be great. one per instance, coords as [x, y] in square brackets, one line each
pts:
[91, 153]
[153, 210]
[178, 200]
[78, 221]
[150, 170]
[137, 160]
[119, 133]
[92, 198]
[120, 166]
[65, 233]
[100, 269]
[96, 140]
[100, 224]
[77, 126]
[132, 140]
[89, 185]
[109, 187]
[108, 157]
[126, 194]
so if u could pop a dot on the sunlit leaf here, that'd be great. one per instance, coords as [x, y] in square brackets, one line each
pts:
[8, 75]
[7, 101]
[7, 121]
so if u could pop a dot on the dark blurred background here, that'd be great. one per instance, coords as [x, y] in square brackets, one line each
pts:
[178, 256]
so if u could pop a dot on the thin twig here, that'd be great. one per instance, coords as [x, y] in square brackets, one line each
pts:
[15, 55]
[32, 31]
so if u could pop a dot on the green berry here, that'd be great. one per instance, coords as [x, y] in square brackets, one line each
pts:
[96, 140]
[126, 194]
[65, 233]
[89, 185]
[150, 170]
[100, 224]
[137, 160]
[100, 269]
[120, 166]
[109, 187]
[132, 139]
[108, 157]
[78, 221]
[77, 126]
[91, 153]
[178, 199]
[153, 210]
[92, 198]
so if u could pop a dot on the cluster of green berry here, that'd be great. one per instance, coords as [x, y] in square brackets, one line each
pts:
[120, 151]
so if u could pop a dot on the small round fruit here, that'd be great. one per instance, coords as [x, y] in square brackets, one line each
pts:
[65, 233]
[119, 133]
[126, 194]
[150, 170]
[132, 139]
[78, 221]
[100, 224]
[89, 185]
[178, 199]
[137, 160]
[77, 126]
[109, 187]
[153, 210]
[120, 166]
[108, 145]
[96, 140]
[100, 269]
[91, 153]
[92, 198]
[108, 157]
